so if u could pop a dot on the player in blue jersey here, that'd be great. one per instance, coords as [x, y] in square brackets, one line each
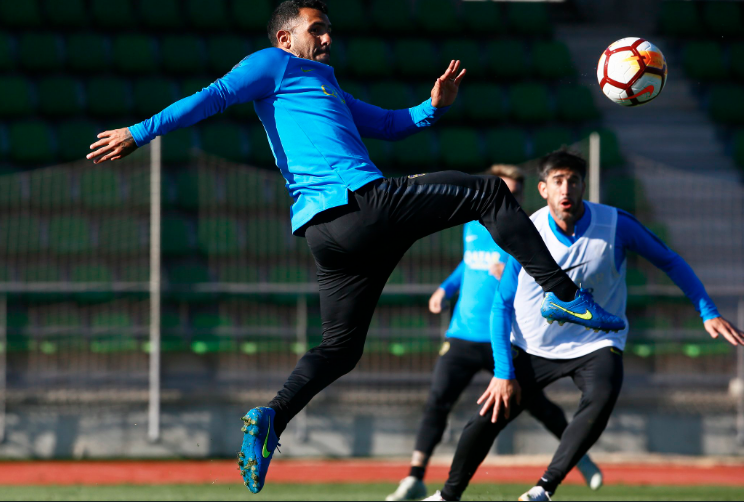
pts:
[590, 241]
[467, 348]
[358, 224]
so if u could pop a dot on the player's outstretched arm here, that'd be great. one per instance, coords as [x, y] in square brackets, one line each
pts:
[718, 326]
[446, 87]
[112, 145]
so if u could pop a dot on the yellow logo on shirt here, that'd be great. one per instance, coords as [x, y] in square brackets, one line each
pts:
[333, 93]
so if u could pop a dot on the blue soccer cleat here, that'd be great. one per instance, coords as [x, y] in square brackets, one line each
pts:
[582, 310]
[259, 442]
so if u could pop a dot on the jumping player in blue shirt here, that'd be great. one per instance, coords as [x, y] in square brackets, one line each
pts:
[350, 214]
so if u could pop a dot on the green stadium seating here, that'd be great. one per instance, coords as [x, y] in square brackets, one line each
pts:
[21, 104]
[40, 52]
[380, 152]
[529, 18]
[100, 188]
[437, 16]
[176, 146]
[60, 96]
[66, 14]
[11, 190]
[121, 235]
[739, 147]
[416, 58]
[368, 57]
[679, 19]
[391, 15]
[182, 54]
[295, 274]
[20, 235]
[506, 146]
[92, 273]
[348, 18]
[112, 333]
[723, 18]
[260, 151]
[176, 236]
[417, 152]
[552, 60]
[7, 56]
[226, 140]
[208, 14]
[267, 236]
[218, 236]
[704, 60]
[238, 273]
[626, 193]
[74, 139]
[551, 138]
[507, 59]
[50, 188]
[737, 60]
[151, 95]
[113, 14]
[69, 235]
[482, 17]
[87, 52]
[191, 86]
[390, 95]
[529, 103]
[61, 319]
[574, 103]
[15, 14]
[483, 102]
[357, 89]
[160, 14]
[609, 148]
[196, 188]
[134, 54]
[727, 103]
[461, 148]
[248, 189]
[408, 321]
[226, 51]
[251, 14]
[181, 276]
[469, 54]
[31, 142]
[108, 97]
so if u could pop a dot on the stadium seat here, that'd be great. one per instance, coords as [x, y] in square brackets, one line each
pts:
[529, 18]
[100, 187]
[529, 103]
[552, 60]
[152, 94]
[679, 19]
[109, 14]
[368, 57]
[609, 148]
[267, 236]
[92, 273]
[20, 235]
[176, 236]
[183, 276]
[69, 235]
[461, 148]
[21, 104]
[626, 193]
[108, 97]
[437, 16]
[11, 190]
[739, 147]
[60, 96]
[67, 14]
[506, 146]
[704, 60]
[416, 58]
[218, 236]
[112, 333]
[240, 273]
[50, 188]
[196, 188]
[31, 142]
[7, 55]
[87, 53]
[482, 17]
[40, 52]
[15, 14]
[408, 321]
[727, 103]
[737, 60]
[574, 103]
[391, 15]
[547, 139]
[416, 152]
[161, 14]
[467, 51]
[483, 102]
[260, 151]
[507, 59]
[122, 235]
[74, 139]
[723, 18]
[251, 14]
[225, 140]
[208, 14]
[182, 54]
[135, 54]
[226, 51]
[348, 18]
[390, 95]
[176, 146]
[296, 274]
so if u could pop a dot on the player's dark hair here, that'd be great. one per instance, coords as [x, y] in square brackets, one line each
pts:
[285, 14]
[562, 159]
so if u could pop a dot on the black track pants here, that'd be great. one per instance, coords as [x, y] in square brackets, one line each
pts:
[598, 375]
[357, 246]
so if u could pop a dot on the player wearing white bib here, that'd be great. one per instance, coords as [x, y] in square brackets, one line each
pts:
[590, 242]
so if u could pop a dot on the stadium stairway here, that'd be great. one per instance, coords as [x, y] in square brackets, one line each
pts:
[672, 147]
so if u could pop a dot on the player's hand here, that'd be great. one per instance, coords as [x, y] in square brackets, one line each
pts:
[112, 145]
[720, 326]
[446, 87]
[435, 302]
[497, 270]
[499, 395]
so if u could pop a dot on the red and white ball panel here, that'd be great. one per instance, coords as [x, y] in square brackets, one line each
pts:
[632, 71]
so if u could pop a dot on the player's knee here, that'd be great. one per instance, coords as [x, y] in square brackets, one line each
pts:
[602, 396]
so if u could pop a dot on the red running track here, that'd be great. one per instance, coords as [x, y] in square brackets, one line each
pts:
[329, 471]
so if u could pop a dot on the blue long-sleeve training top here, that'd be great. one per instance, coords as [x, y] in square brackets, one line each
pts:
[315, 129]
[630, 235]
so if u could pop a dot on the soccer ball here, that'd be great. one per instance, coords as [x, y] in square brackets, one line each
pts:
[632, 71]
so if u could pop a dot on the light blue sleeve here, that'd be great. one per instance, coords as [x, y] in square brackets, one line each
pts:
[502, 311]
[255, 77]
[391, 125]
[451, 284]
[632, 235]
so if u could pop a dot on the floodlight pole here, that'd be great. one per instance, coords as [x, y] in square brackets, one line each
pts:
[594, 186]
[153, 422]
[3, 361]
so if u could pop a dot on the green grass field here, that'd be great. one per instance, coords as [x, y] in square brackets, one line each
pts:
[352, 492]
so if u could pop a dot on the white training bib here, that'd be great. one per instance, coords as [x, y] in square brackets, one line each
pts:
[590, 262]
